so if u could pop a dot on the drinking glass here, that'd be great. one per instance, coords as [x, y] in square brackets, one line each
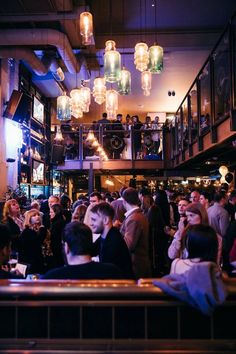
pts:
[13, 260]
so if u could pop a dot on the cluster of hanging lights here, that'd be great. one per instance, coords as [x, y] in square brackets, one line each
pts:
[147, 60]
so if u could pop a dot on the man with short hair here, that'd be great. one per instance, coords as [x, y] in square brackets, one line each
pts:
[77, 242]
[135, 230]
[195, 197]
[218, 216]
[94, 198]
[110, 246]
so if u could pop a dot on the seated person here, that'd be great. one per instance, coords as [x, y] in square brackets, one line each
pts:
[202, 246]
[77, 251]
[5, 251]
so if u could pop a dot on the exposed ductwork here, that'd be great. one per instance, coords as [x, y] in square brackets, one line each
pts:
[26, 55]
[39, 37]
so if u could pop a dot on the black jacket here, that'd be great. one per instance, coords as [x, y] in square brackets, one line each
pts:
[113, 249]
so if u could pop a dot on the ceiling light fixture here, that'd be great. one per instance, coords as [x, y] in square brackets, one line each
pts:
[112, 62]
[86, 27]
[63, 107]
[111, 103]
[155, 65]
[146, 81]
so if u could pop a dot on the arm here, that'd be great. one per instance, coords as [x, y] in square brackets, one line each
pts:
[175, 248]
[132, 234]
[223, 223]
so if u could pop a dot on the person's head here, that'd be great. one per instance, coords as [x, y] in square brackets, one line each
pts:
[53, 199]
[5, 244]
[201, 242]
[35, 205]
[182, 205]
[143, 193]
[79, 213]
[119, 117]
[205, 199]
[130, 197]
[95, 198]
[122, 189]
[220, 198]
[102, 215]
[55, 210]
[65, 201]
[104, 115]
[196, 214]
[11, 208]
[147, 119]
[194, 196]
[78, 239]
[156, 119]
[32, 218]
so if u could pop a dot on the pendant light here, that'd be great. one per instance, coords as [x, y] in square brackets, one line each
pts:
[86, 28]
[155, 59]
[63, 107]
[112, 62]
[146, 81]
[141, 56]
[111, 103]
[99, 90]
[155, 53]
[77, 103]
[86, 94]
[124, 84]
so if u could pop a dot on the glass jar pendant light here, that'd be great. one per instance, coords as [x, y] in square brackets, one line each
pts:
[112, 62]
[141, 56]
[63, 107]
[124, 84]
[111, 103]
[86, 27]
[146, 81]
[155, 65]
[99, 90]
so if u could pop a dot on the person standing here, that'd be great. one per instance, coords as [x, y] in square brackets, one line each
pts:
[110, 246]
[135, 230]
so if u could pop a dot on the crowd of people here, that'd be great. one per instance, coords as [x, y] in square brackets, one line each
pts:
[130, 234]
[116, 138]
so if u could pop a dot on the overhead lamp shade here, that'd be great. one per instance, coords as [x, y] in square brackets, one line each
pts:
[99, 90]
[141, 56]
[111, 103]
[86, 93]
[146, 81]
[223, 170]
[77, 100]
[155, 65]
[124, 84]
[86, 27]
[63, 107]
[110, 45]
[112, 66]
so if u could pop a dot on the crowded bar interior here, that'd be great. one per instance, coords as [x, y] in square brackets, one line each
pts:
[117, 176]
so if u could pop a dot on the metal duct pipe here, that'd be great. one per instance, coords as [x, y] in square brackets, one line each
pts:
[26, 55]
[34, 37]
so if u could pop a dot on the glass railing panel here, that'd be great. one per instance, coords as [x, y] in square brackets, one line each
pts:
[193, 119]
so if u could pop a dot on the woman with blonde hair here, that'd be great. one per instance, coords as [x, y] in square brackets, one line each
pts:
[14, 220]
[31, 241]
[195, 214]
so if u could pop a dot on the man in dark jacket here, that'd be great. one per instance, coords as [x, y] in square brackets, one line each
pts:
[77, 242]
[110, 246]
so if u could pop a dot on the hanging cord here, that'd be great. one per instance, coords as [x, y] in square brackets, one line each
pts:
[123, 24]
[140, 5]
[110, 15]
[156, 21]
